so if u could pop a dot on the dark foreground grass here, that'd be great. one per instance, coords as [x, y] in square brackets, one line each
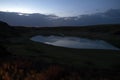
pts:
[20, 68]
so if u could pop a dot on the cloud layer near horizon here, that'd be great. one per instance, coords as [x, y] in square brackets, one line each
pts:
[111, 16]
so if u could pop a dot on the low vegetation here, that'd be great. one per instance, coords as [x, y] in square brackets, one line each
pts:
[19, 68]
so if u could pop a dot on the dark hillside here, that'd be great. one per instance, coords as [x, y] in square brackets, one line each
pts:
[5, 33]
[6, 30]
[4, 53]
[110, 32]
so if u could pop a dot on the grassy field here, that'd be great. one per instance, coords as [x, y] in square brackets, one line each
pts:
[20, 44]
[48, 62]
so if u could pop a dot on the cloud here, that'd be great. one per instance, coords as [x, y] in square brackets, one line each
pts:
[112, 13]
[111, 16]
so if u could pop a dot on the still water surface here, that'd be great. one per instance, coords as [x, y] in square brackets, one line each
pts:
[74, 42]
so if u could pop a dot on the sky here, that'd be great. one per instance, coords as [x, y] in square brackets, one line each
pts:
[62, 8]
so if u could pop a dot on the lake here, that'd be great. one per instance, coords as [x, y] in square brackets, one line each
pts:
[74, 42]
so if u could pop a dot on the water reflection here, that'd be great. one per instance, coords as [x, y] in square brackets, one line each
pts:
[74, 42]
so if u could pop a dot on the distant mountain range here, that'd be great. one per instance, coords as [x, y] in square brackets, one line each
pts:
[111, 16]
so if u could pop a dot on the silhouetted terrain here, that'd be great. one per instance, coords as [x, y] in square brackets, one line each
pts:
[108, 32]
[24, 59]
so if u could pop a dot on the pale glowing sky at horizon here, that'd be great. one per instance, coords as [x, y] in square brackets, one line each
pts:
[62, 8]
